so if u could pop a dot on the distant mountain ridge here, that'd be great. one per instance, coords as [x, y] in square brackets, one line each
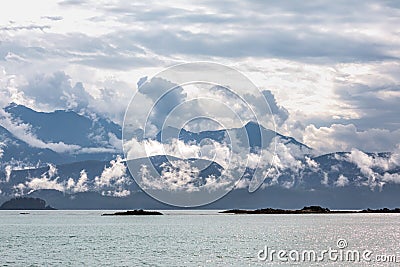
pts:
[15, 150]
[94, 138]
[257, 135]
[98, 177]
[97, 137]
[66, 126]
[307, 186]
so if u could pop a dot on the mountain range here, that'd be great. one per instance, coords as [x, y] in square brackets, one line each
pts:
[56, 137]
[74, 161]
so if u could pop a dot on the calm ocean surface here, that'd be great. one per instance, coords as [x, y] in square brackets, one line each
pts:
[186, 238]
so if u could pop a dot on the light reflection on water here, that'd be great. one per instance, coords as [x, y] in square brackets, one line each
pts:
[182, 238]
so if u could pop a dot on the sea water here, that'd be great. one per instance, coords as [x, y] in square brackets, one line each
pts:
[194, 238]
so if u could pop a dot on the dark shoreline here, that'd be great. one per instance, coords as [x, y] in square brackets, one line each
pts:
[26, 203]
[132, 212]
[308, 210]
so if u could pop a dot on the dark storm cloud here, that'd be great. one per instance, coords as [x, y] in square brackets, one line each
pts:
[166, 96]
[307, 45]
[107, 51]
[280, 112]
[56, 90]
[318, 31]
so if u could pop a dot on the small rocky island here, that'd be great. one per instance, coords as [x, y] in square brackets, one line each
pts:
[308, 210]
[25, 203]
[384, 210]
[133, 212]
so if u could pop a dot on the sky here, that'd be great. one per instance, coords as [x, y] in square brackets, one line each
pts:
[330, 70]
